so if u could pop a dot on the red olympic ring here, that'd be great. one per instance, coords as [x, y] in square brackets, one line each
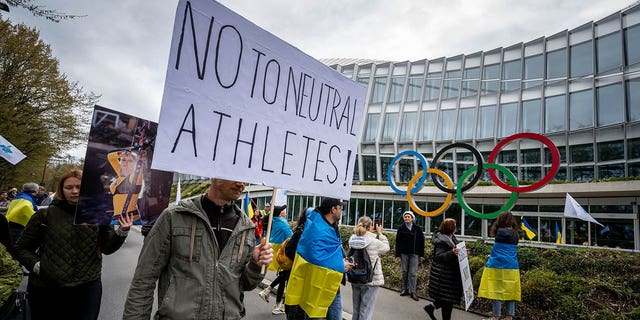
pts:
[555, 162]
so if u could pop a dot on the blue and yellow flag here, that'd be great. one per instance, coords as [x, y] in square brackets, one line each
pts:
[501, 275]
[527, 229]
[558, 235]
[317, 269]
[247, 207]
[280, 231]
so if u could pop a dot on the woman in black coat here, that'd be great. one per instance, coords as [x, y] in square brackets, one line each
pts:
[445, 283]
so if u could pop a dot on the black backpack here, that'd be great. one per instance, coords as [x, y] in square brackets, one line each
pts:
[362, 272]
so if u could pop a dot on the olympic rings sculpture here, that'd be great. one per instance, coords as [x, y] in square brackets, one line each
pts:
[418, 181]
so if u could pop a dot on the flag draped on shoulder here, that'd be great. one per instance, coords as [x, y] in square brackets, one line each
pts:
[317, 268]
[501, 275]
[9, 152]
[572, 209]
[280, 231]
[527, 229]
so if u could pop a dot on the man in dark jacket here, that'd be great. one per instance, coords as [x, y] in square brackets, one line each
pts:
[410, 251]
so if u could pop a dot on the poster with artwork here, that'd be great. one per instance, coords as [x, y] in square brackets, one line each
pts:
[117, 177]
[465, 274]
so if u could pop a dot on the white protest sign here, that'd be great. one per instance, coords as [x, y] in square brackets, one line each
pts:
[241, 104]
[465, 274]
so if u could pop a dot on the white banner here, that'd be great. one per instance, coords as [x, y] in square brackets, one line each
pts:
[10, 152]
[572, 209]
[465, 274]
[241, 104]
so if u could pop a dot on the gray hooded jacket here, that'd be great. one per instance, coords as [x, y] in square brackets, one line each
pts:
[196, 279]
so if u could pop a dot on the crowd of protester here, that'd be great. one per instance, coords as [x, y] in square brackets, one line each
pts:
[59, 258]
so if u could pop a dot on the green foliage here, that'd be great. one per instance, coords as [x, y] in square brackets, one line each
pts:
[556, 283]
[44, 112]
[540, 288]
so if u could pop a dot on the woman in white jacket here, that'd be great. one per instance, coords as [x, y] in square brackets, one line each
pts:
[364, 295]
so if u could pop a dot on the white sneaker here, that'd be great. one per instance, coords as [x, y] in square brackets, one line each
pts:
[278, 310]
[264, 294]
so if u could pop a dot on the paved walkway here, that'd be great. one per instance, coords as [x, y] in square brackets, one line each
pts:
[390, 305]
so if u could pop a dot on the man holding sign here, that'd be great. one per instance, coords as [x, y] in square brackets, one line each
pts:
[203, 255]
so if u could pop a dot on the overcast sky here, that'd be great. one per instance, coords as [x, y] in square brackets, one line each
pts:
[120, 48]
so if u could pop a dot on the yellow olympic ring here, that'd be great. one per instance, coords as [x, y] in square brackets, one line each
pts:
[447, 201]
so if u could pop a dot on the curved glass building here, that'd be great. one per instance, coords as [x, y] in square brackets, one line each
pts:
[580, 88]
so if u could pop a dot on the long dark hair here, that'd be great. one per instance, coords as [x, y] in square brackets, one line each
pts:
[505, 220]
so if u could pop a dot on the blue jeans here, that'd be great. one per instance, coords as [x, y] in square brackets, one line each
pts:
[335, 309]
[510, 306]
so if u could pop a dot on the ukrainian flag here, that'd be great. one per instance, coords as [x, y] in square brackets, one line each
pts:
[248, 208]
[317, 269]
[280, 231]
[501, 275]
[527, 229]
[558, 235]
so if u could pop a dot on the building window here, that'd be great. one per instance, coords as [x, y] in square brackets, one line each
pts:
[633, 99]
[427, 123]
[408, 126]
[531, 116]
[563, 155]
[470, 88]
[508, 119]
[557, 64]
[446, 124]
[634, 169]
[405, 168]
[611, 171]
[582, 173]
[554, 114]
[531, 173]
[632, 44]
[371, 130]
[582, 59]
[511, 70]
[486, 122]
[369, 168]
[384, 167]
[397, 87]
[489, 87]
[379, 89]
[415, 89]
[465, 123]
[491, 72]
[432, 91]
[363, 80]
[450, 88]
[581, 109]
[611, 150]
[530, 156]
[581, 153]
[633, 145]
[610, 104]
[390, 124]
[608, 52]
[533, 67]
[356, 172]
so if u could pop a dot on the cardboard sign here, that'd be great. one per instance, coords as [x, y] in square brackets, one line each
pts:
[241, 104]
[465, 274]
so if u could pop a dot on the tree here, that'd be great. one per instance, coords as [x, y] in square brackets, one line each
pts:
[43, 112]
[41, 11]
